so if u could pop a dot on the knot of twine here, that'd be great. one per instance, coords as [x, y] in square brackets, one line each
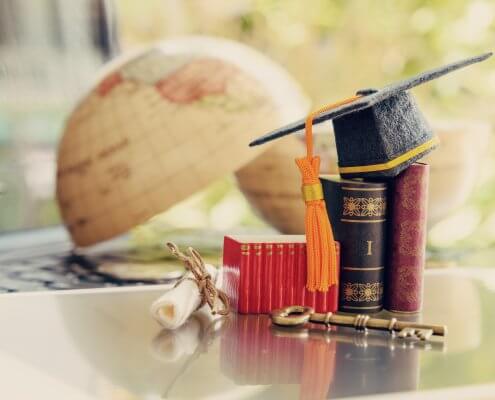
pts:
[207, 290]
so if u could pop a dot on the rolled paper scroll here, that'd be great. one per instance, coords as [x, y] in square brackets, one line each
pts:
[174, 308]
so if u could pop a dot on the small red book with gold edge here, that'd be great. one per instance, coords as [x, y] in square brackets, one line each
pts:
[262, 273]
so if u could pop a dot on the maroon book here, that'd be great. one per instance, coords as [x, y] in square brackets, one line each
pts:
[407, 235]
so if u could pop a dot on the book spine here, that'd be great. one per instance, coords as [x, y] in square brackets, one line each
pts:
[357, 211]
[309, 297]
[320, 301]
[244, 278]
[332, 296]
[300, 273]
[328, 301]
[266, 276]
[278, 276]
[289, 275]
[231, 270]
[255, 279]
[409, 201]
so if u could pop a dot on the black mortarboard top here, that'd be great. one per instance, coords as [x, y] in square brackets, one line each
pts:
[383, 132]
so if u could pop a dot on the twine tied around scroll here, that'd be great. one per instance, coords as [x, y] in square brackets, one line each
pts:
[207, 290]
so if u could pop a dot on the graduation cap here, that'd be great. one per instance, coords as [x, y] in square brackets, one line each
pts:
[378, 134]
[381, 132]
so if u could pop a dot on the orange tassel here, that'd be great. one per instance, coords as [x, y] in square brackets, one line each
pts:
[320, 247]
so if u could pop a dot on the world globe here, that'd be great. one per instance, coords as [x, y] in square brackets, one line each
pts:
[163, 124]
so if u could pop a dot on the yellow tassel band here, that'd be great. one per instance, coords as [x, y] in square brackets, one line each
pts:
[312, 192]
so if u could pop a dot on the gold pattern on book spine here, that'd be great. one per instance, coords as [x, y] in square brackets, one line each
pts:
[408, 284]
[364, 206]
[362, 292]
[409, 189]
[408, 232]
[245, 249]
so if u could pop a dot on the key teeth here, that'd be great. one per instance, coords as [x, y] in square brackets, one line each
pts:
[424, 334]
[420, 334]
[405, 333]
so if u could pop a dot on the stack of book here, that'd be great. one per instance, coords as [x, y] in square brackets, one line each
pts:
[379, 228]
[379, 136]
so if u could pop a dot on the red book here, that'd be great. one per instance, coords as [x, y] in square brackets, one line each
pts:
[259, 283]
[404, 289]
[309, 297]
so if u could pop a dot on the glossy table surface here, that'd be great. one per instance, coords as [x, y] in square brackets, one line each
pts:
[102, 344]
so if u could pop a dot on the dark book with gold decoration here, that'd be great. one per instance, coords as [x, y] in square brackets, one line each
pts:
[357, 210]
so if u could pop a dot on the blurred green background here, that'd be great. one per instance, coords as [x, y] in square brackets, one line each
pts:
[51, 52]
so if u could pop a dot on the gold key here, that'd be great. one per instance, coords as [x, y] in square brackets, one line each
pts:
[300, 315]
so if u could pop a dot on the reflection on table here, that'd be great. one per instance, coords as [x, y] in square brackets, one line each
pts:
[103, 344]
[339, 362]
